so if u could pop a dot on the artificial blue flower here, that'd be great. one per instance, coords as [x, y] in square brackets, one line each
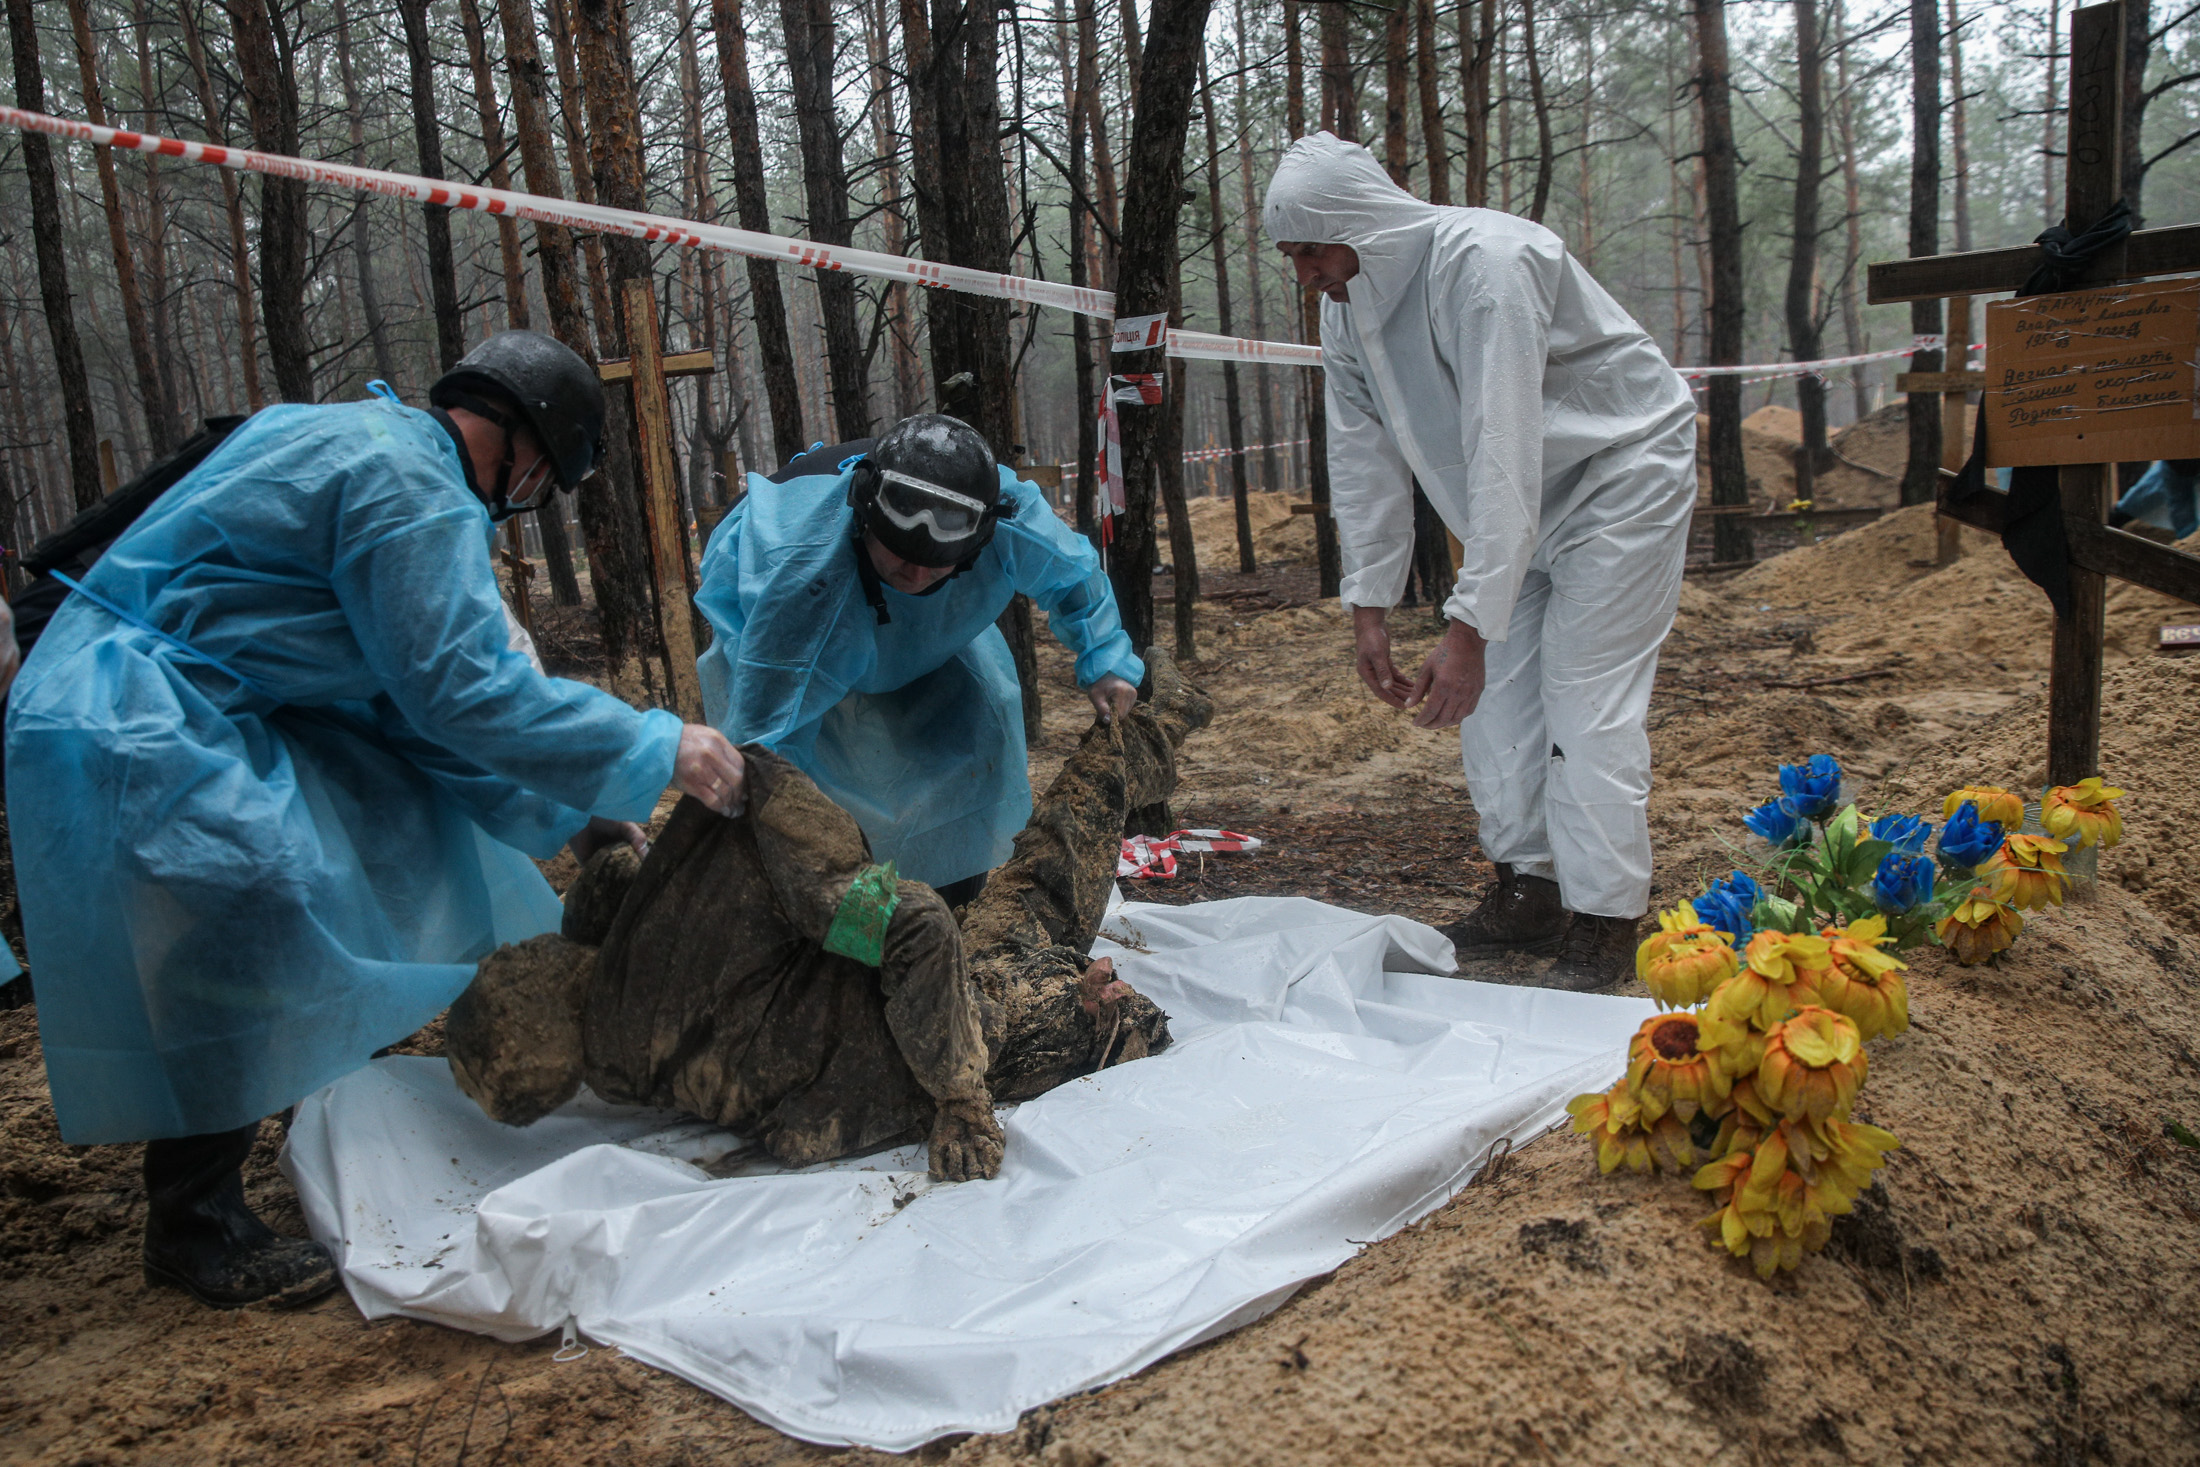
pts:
[1902, 882]
[1906, 833]
[1778, 822]
[1967, 840]
[1814, 787]
[1744, 886]
[1726, 906]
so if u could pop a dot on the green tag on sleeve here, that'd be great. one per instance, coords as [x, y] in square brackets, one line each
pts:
[859, 927]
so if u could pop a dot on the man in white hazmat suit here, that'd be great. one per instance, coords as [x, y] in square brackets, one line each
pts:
[1465, 349]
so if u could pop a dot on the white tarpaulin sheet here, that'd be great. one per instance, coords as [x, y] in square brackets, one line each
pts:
[1325, 1086]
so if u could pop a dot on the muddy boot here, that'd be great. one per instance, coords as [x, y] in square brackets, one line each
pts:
[201, 1237]
[1520, 914]
[1599, 952]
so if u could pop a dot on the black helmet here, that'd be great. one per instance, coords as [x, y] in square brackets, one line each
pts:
[555, 390]
[930, 491]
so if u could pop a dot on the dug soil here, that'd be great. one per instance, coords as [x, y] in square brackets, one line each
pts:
[2020, 1287]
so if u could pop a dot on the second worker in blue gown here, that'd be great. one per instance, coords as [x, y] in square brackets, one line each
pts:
[853, 610]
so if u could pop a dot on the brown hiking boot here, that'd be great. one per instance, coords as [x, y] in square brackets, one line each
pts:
[1519, 914]
[1599, 952]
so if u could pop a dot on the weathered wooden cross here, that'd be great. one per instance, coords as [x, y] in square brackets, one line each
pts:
[2095, 156]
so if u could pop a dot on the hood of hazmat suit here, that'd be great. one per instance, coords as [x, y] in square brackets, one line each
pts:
[915, 725]
[1477, 356]
[267, 773]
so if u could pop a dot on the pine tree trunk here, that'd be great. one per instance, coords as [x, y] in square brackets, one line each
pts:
[1545, 156]
[611, 508]
[1263, 386]
[370, 302]
[809, 31]
[578, 151]
[1147, 277]
[1106, 200]
[1084, 515]
[153, 396]
[1804, 340]
[1474, 58]
[450, 330]
[500, 174]
[955, 113]
[1433, 142]
[1731, 539]
[1852, 310]
[767, 307]
[159, 301]
[1921, 476]
[1340, 102]
[1219, 242]
[901, 326]
[264, 63]
[247, 351]
[1183, 550]
[561, 283]
[1294, 72]
[78, 424]
[1397, 66]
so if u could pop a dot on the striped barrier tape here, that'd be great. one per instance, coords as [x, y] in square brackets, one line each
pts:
[1146, 857]
[688, 233]
[1769, 371]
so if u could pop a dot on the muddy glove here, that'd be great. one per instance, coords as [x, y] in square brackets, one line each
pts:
[966, 1141]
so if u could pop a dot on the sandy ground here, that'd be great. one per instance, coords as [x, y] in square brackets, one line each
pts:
[2019, 1289]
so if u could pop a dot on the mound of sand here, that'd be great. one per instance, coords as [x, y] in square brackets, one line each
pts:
[1867, 471]
[1280, 538]
[2019, 1287]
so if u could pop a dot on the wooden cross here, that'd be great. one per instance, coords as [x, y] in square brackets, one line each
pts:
[648, 370]
[2095, 157]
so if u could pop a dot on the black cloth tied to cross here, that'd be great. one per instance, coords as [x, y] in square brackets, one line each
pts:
[2032, 523]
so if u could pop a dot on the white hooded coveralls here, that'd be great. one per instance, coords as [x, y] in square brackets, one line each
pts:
[1553, 438]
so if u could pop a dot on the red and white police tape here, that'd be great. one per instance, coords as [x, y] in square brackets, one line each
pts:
[1147, 856]
[1190, 345]
[688, 233]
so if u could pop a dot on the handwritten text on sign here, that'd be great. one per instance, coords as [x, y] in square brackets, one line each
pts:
[2093, 377]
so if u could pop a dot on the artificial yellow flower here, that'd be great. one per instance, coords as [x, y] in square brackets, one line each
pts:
[1779, 973]
[2083, 813]
[1994, 803]
[1625, 1133]
[1667, 1072]
[1734, 1045]
[1864, 983]
[1979, 926]
[1838, 1157]
[1746, 1121]
[1812, 1067]
[2027, 872]
[1684, 959]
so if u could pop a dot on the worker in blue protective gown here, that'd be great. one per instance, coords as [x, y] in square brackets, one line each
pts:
[274, 773]
[854, 615]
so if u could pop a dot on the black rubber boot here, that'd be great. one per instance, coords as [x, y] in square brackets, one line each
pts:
[1599, 952]
[200, 1236]
[1520, 914]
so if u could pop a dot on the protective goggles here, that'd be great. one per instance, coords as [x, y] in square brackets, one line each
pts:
[916, 505]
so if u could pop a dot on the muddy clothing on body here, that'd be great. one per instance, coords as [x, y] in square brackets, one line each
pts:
[713, 991]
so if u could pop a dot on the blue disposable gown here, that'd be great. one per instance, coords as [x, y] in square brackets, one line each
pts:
[236, 887]
[915, 727]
